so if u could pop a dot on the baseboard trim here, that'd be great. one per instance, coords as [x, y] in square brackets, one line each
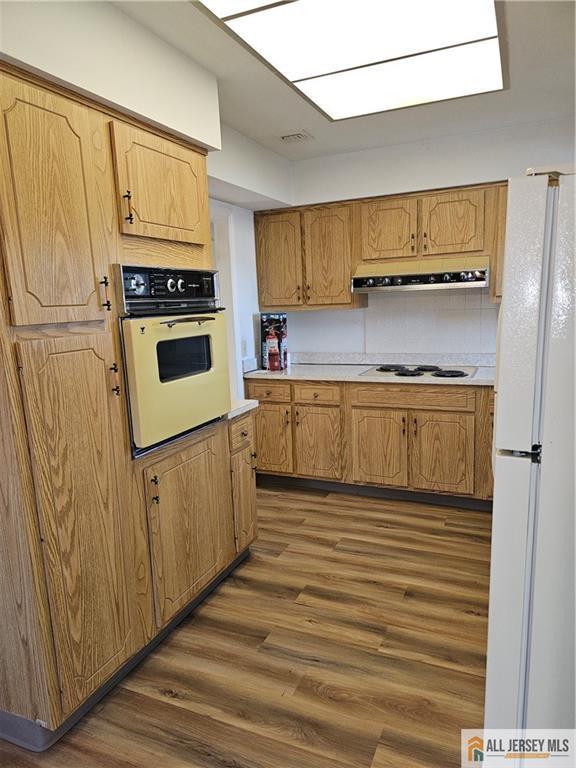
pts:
[36, 738]
[279, 482]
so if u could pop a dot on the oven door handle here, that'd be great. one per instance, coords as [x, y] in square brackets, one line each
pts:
[199, 320]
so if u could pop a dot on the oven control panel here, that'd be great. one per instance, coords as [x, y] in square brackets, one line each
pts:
[157, 290]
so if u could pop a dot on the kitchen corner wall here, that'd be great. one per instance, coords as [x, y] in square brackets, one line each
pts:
[423, 321]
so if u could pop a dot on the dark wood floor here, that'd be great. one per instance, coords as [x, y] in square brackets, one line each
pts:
[353, 637]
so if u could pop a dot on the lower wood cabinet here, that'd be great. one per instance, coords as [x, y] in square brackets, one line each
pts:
[190, 519]
[274, 438]
[422, 438]
[318, 441]
[75, 425]
[379, 446]
[442, 452]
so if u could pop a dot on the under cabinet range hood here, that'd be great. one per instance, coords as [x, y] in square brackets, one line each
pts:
[466, 272]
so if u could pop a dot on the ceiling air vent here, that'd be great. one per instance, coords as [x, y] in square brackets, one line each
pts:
[295, 136]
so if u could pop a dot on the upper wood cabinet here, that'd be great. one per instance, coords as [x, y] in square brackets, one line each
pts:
[279, 259]
[389, 228]
[55, 253]
[190, 520]
[318, 436]
[305, 258]
[75, 425]
[453, 222]
[379, 446]
[328, 255]
[162, 187]
[442, 451]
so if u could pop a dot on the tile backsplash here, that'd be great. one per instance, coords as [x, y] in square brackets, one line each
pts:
[419, 321]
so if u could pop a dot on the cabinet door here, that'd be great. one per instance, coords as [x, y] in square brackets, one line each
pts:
[191, 521]
[244, 497]
[328, 257]
[162, 187]
[274, 438]
[389, 228]
[75, 428]
[279, 259]
[318, 441]
[49, 211]
[453, 222]
[379, 446]
[442, 451]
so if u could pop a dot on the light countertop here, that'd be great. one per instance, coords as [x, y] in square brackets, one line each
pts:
[482, 377]
[241, 406]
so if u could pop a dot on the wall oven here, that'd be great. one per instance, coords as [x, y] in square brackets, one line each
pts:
[174, 344]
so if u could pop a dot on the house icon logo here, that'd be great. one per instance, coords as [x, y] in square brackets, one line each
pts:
[475, 749]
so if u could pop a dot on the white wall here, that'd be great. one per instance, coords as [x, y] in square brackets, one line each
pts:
[424, 321]
[98, 49]
[455, 160]
[235, 259]
[248, 165]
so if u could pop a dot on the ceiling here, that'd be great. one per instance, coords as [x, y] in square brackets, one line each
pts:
[537, 39]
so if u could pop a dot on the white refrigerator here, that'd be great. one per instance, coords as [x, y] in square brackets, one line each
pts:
[530, 665]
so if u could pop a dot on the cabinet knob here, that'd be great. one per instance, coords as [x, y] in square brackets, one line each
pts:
[268, 392]
[316, 395]
[244, 433]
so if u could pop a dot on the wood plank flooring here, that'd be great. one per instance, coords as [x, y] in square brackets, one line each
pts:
[353, 637]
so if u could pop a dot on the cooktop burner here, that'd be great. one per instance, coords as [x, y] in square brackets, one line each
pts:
[409, 372]
[449, 374]
[391, 367]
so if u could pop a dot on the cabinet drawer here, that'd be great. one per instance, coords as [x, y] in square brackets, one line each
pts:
[241, 432]
[317, 393]
[436, 398]
[269, 391]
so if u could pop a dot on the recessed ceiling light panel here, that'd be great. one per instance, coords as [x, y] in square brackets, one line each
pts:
[316, 37]
[364, 56]
[446, 74]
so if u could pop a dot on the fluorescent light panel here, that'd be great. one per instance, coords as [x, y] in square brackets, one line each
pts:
[308, 38]
[365, 56]
[447, 74]
[224, 8]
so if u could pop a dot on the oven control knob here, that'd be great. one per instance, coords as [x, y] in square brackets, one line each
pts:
[386, 281]
[432, 278]
[181, 285]
[370, 282]
[447, 277]
[171, 284]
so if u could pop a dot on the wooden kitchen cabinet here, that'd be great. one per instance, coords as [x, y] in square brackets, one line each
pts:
[379, 446]
[442, 451]
[389, 228]
[328, 255]
[279, 260]
[317, 441]
[75, 426]
[54, 242]
[453, 222]
[274, 438]
[190, 520]
[244, 496]
[305, 258]
[161, 185]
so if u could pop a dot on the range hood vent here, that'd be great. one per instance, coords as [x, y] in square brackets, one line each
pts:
[432, 274]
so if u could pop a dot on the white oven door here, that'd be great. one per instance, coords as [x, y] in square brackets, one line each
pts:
[177, 371]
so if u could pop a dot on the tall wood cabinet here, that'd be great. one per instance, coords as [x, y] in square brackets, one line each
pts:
[54, 254]
[279, 260]
[97, 550]
[75, 424]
